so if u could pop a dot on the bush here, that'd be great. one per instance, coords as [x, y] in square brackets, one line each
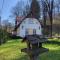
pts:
[3, 36]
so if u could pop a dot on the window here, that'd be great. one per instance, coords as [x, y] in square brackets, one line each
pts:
[24, 21]
[26, 32]
[22, 27]
[36, 22]
[34, 31]
[39, 27]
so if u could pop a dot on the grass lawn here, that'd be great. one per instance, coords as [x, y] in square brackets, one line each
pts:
[12, 51]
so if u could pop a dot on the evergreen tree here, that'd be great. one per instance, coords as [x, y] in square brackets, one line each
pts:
[35, 9]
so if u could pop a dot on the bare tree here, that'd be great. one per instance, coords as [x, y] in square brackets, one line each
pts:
[45, 9]
[20, 10]
[50, 12]
[49, 4]
[16, 11]
[26, 10]
[58, 7]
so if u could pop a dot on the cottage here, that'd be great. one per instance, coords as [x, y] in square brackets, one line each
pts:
[29, 26]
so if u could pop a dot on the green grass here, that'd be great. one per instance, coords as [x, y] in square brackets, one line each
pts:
[12, 51]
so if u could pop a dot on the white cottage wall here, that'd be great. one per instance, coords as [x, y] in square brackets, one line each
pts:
[29, 24]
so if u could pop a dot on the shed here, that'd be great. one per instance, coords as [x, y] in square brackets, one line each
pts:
[29, 26]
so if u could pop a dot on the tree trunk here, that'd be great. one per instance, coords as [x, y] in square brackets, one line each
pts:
[51, 21]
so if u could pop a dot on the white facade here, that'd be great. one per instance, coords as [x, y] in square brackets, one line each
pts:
[29, 26]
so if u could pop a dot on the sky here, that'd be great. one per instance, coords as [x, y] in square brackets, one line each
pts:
[7, 6]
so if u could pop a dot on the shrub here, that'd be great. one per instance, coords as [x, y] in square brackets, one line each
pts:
[3, 36]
